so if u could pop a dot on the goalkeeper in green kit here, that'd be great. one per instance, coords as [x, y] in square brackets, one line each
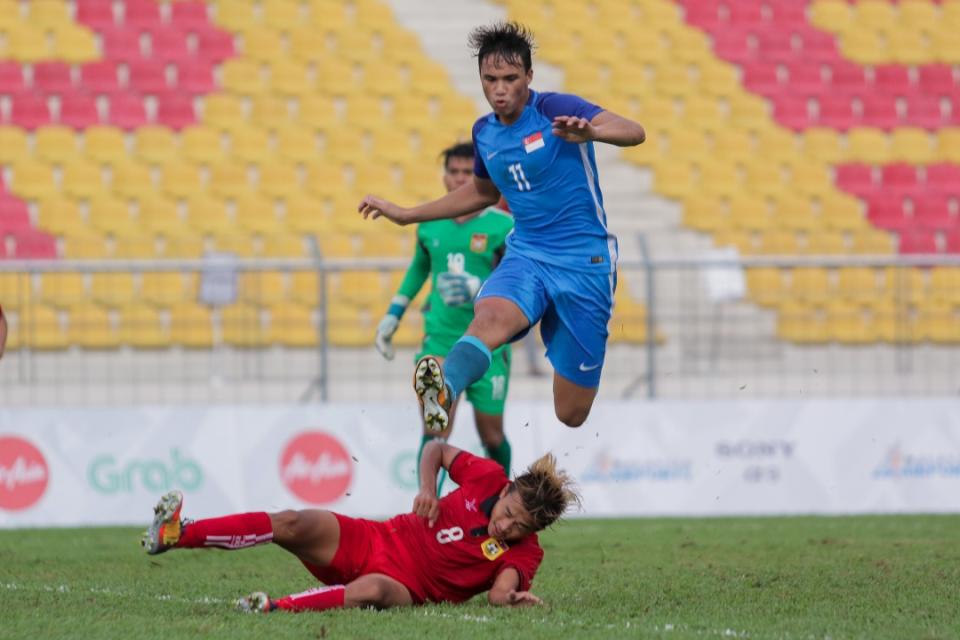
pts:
[458, 255]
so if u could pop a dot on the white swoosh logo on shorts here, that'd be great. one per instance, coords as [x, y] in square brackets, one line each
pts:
[585, 368]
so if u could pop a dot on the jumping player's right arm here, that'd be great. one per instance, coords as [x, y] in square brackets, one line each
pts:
[476, 194]
[417, 274]
[435, 454]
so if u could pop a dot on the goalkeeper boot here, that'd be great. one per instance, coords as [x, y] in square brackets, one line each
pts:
[256, 602]
[164, 531]
[433, 394]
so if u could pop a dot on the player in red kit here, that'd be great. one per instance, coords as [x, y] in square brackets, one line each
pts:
[481, 537]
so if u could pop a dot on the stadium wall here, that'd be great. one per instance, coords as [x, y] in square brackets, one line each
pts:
[107, 466]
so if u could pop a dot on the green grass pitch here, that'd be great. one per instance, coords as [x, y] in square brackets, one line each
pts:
[794, 578]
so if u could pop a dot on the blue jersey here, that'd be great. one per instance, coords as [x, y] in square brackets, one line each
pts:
[550, 184]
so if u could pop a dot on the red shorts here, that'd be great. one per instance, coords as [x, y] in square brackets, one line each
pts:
[369, 547]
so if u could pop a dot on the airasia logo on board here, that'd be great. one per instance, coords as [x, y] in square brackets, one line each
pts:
[316, 468]
[23, 474]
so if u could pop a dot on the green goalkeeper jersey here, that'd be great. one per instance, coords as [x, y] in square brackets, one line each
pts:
[473, 247]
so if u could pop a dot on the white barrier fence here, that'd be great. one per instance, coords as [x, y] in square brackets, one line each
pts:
[107, 466]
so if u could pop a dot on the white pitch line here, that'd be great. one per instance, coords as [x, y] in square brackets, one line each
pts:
[62, 588]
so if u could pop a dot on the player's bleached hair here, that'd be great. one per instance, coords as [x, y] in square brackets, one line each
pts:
[510, 42]
[459, 150]
[546, 492]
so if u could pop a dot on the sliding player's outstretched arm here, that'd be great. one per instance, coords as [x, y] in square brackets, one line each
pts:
[476, 194]
[436, 454]
[504, 592]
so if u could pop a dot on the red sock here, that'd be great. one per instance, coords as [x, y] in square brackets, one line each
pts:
[229, 532]
[313, 600]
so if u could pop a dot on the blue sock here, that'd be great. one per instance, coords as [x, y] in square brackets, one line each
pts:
[466, 363]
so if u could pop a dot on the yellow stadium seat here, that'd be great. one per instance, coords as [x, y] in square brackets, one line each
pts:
[224, 112]
[317, 112]
[256, 214]
[138, 247]
[271, 113]
[909, 46]
[243, 77]
[28, 43]
[166, 289]
[283, 245]
[111, 289]
[181, 180]
[365, 111]
[155, 144]
[940, 323]
[823, 145]
[945, 284]
[250, 145]
[297, 145]
[16, 290]
[132, 180]
[810, 284]
[105, 145]
[82, 181]
[229, 180]
[292, 325]
[208, 215]
[945, 43]
[241, 246]
[865, 46]
[305, 214]
[907, 283]
[75, 45]
[720, 180]
[55, 145]
[184, 246]
[777, 242]
[705, 214]
[872, 242]
[262, 288]
[382, 245]
[743, 241]
[49, 15]
[62, 289]
[850, 324]
[675, 181]
[201, 144]
[393, 146]
[765, 285]
[749, 213]
[831, 15]
[241, 326]
[14, 145]
[141, 328]
[235, 15]
[111, 216]
[40, 327]
[283, 15]
[59, 216]
[191, 325]
[868, 145]
[911, 144]
[278, 180]
[305, 288]
[841, 212]
[948, 145]
[160, 216]
[800, 323]
[336, 77]
[349, 327]
[795, 213]
[825, 243]
[290, 79]
[359, 288]
[32, 180]
[85, 243]
[90, 326]
[263, 44]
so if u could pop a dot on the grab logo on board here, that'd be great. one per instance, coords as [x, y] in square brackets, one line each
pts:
[316, 468]
[23, 474]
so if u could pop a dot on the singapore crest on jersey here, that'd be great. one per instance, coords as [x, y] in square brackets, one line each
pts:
[533, 142]
[493, 548]
[478, 242]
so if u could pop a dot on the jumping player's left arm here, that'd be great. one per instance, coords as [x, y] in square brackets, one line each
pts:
[606, 127]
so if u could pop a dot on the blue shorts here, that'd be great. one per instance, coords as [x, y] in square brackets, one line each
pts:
[573, 308]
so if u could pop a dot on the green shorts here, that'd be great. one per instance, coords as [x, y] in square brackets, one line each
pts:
[489, 393]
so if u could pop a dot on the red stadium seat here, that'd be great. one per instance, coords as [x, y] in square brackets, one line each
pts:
[788, 14]
[33, 244]
[836, 112]
[127, 111]
[918, 242]
[96, 14]
[856, 179]
[774, 46]
[79, 111]
[848, 77]
[762, 78]
[936, 79]
[899, 179]
[931, 212]
[733, 45]
[99, 77]
[175, 111]
[814, 45]
[122, 45]
[11, 78]
[214, 45]
[745, 14]
[704, 14]
[148, 77]
[792, 112]
[944, 178]
[189, 15]
[806, 78]
[923, 110]
[169, 44]
[892, 79]
[52, 77]
[196, 78]
[880, 111]
[141, 14]
[886, 212]
[14, 215]
[29, 111]
[952, 244]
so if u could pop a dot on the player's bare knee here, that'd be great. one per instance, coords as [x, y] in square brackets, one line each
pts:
[572, 417]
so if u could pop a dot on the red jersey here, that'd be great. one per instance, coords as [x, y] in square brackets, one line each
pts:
[456, 558]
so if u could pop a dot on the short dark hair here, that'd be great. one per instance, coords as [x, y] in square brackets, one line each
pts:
[459, 150]
[511, 42]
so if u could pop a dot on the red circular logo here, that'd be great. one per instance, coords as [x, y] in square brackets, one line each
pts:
[316, 467]
[23, 474]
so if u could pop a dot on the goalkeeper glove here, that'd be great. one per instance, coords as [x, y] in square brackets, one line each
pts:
[384, 338]
[457, 288]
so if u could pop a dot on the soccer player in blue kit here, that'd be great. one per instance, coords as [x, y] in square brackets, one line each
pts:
[560, 266]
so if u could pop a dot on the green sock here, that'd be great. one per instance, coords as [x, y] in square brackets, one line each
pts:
[501, 455]
[443, 472]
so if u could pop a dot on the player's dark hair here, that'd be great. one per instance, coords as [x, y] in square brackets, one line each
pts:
[545, 491]
[509, 42]
[459, 150]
